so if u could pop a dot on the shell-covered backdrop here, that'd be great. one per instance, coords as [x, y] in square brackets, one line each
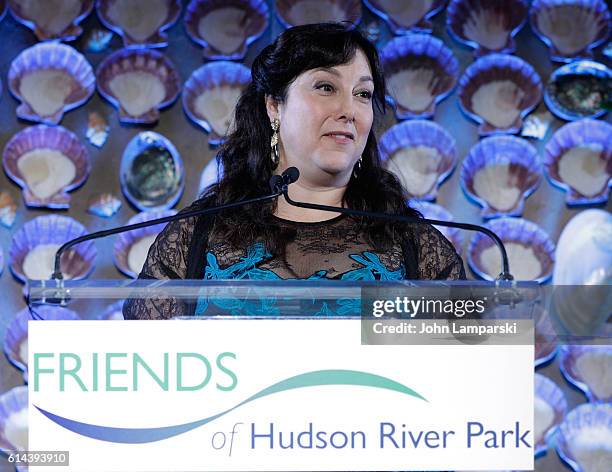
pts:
[189, 48]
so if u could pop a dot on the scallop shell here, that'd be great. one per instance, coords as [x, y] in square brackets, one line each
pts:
[125, 241]
[545, 343]
[587, 102]
[212, 173]
[548, 391]
[113, 312]
[139, 22]
[46, 137]
[570, 28]
[511, 170]
[523, 234]
[225, 81]
[303, 12]
[427, 134]
[421, 66]
[60, 19]
[138, 98]
[151, 174]
[525, 91]
[8, 210]
[52, 63]
[104, 205]
[437, 212]
[487, 26]
[588, 426]
[234, 25]
[588, 134]
[13, 402]
[17, 332]
[76, 263]
[570, 355]
[402, 16]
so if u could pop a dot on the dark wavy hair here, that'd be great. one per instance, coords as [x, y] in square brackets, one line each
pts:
[245, 155]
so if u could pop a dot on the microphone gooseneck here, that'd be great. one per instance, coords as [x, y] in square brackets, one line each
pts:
[505, 274]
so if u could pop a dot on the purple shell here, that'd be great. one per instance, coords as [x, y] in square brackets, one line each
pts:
[113, 312]
[415, 51]
[437, 212]
[548, 391]
[52, 56]
[212, 173]
[514, 230]
[156, 39]
[593, 15]
[462, 13]
[568, 357]
[139, 60]
[524, 168]
[394, 21]
[351, 12]
[587, 416]
[77, 263]
[545, 344]
[256, 14]
[11, 402]
[124, 241]
[574, 134]
[70, 32]
[500, 67]
[421, 133]
[207, 77]
[17, 331]
[47, 137]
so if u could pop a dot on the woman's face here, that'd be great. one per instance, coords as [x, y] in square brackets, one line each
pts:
[325, 121]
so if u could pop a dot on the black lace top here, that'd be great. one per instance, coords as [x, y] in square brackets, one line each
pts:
[331, 249]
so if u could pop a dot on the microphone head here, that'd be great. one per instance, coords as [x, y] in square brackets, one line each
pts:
[276, 182]
[291, 175]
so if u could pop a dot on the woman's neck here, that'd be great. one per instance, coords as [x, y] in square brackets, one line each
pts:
[301, 192]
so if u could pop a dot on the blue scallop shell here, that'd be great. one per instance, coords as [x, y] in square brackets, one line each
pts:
[11, 402]
[436, 212]
[212, 173]
[500, 67]
[601, 14]
[71, 32]
[77, 262]
[426, 133]
[17, 331]
[497, 150]
[574, 134]
[586, 68]
[548, 391]
[589, 416]
[352, 12]
[47, 137]
[422, 26]
[406, 52]
[516, 230]
[52, 56]
[512, 13]
[113, 312]
[157, 39]
[170, 175]
[124, 241]
[257, 12]
[207, 77]
[569, 355]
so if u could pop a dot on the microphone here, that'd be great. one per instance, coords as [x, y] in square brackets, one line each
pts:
[278, 184]
[292, 174]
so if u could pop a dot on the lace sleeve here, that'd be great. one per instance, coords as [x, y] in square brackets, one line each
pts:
[167, 259]
[436, 256]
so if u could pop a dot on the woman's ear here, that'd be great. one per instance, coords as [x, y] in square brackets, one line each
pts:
[272, 108]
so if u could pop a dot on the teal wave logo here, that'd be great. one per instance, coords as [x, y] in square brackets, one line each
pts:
[308, 379]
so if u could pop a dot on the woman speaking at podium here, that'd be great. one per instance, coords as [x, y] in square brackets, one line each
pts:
[312, 102]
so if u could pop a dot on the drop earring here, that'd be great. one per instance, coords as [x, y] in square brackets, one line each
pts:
[274, 155]
[357, 168]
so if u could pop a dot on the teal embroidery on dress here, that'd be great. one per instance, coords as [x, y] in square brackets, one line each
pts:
[266, 304]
